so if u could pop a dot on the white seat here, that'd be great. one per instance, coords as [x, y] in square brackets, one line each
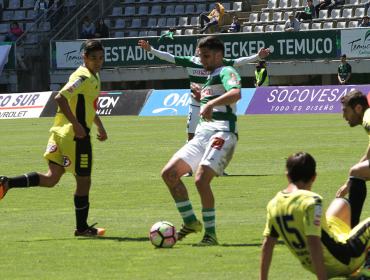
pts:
[33, 39]
[341, 24]
[347, 13]
[171, 22]
[179, 10]
[226, 6]
[304, 26]
[117, 11]
[189, 10]
[335, 14]
[30, 14]
[169, 10]
[237, 6]
[277, 17]
[28, 4]
[353, 24]
[253, 18]
[359, 13]
[164, 32]
[8, 15]
[161, 23]
[19, 15]
[270, 28]
[247, 29]
[327, 25]
[46, 26]
[259, 29]
[316, 25]
[4, 28]
[156, 10]
[152, 23]
[271, 4]
[295, 4]
[29, 26]
[194, 21]
[188, 32]
[352, 3]
[178, 32]
[143, 10]
[323, 15]
[264, 17]
[119, 34]
[136, 23]
[279, 27]
[143, 33]
[129, 11]
[152, 33]
[14, 4]
[183, 21]
[133, 34]
[120, 23]
[283, 5]
[201, 8]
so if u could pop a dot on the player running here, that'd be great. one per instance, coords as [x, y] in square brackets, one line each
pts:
[69, 148]
[324, 244]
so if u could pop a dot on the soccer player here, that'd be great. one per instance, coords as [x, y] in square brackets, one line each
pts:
[324, 244]
[356, 111]
[69, 148]
[213, 145]
[197, 75]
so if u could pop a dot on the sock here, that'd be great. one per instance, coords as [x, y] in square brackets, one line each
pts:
[186, 210]
[356, 197]
[25, 181]
[82, 211]
[209, 219]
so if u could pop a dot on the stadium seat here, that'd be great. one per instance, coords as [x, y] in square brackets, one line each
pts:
[8, 15]
[19, 15]
[143, 10]
[259, 29]
[237, 7]
[120, 23]
[46, 26]
[188, 32]
[189, 10]
[280, 27]
[253, 18]
[171, 22]
[353, 24]
[347, 13]
[271, 5]
[152, 33]
[295, 4]
[247, 29]
[33, 39]
[152, 23]
[14, 4]
[264, 17]
[201, 8]
[129, 11]
[156, 10]
[304, 26]
[178, 32]
[194, 21]
[183, 21]
[335, 14]
[278, 17]
[107, 22]
[133, 34]
[283, 5]
[351, 3]
[359, 13]
[286, 16]
[129, 1]
[270, 28]
[72, 3]
[327, 25]
[30, 27]
[226, 6]
[170, 10]
[136, 23]
[4, 28]
[30, 14]
[179, 10]
[161, 23]
[144, 1]
[28, 4]
[316, 25]
[315, 2]
[117, 12]
[323, 15]
[119, 34]
[341, 24]
[164, 32]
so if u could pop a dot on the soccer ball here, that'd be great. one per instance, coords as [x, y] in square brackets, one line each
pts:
[163, 235]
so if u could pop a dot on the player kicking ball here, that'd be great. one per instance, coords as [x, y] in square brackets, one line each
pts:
[323, 242]
[211, 149]
[69, 148]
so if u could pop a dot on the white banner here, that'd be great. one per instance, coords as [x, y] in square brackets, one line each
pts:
[23, 105]
[356, 42]
[4, 52]
[69, 54]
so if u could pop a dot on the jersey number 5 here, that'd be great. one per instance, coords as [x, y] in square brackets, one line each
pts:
[285, 229]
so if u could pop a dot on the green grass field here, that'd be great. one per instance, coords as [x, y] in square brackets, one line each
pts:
[128, 197]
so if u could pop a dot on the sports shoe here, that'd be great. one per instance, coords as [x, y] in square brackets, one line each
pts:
[188, 174]
[91, 231]
[361, 274]
[187, 228]
[225, 174]
[3, 180]
[209, 239]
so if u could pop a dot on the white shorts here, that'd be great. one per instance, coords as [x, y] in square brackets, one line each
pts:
[193, 118]
[213, 149]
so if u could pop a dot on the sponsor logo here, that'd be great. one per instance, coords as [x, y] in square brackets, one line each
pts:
[317, 223]
[318, 211]
[232, 75]
[70, 89]
[66, 161]
[76, 83]
[218, 143]
[233, 81]
[206, 92]
[173, 100]
[51, 148]
[107, 102]
[200, 72]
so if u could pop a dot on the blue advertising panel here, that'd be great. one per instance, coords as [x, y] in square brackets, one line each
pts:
[247, 94]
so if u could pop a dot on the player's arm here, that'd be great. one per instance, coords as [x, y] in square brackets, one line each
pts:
[317, 256]
[162, 55]
[266, 256]
[262, 53]
[63, 104]
[102, 134]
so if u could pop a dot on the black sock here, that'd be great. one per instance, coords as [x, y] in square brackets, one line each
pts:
[25, 181]
[82, 211]
[356, 196]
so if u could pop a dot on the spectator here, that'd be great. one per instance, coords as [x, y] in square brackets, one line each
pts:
[367, 5]
[321, 5]
[292, 24]
[344, 71]
[308, 13]
[333, 4]
[235, 26]
[101, 30]
[1, 12]
[14, 33]
[41, 8]
[170, 33]
[56, 12]
[365, 22]
[261, 78]
[88, 29]
[214, 18]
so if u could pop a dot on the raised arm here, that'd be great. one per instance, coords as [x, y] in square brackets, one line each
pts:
[162, 55]
[262, 53]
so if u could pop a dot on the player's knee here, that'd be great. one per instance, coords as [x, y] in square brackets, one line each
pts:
[354, 171]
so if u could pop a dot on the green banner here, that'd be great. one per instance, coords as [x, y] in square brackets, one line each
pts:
[320, 44]
[11, 59]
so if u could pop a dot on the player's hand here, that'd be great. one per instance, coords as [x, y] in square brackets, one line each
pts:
[144, 45]
[343, 190]
[196, 90]
[263, 52]
[79, 131]
[206, 112]
[102, 135]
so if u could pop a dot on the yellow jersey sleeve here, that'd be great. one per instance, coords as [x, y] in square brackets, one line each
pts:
[312, 217]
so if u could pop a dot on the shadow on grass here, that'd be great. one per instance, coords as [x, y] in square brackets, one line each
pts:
[279, 242]
[119, 239]
[244, 176]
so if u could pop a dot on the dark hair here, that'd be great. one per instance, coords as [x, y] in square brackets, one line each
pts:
[86, 18]
[355, 97]
[261, 62]
[301, 166]
[92, 45]
[366, 17]
[213, 43]
[343, 55]
[16, 23]
[172, 29]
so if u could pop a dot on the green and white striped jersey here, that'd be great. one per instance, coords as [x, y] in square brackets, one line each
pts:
[218, 83]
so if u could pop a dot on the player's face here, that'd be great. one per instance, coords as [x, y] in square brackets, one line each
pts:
[209, 58]
[351, 115]
[94, 61]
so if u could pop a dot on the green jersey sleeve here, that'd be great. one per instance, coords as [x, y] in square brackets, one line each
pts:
[188, 61]
[230, 78]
